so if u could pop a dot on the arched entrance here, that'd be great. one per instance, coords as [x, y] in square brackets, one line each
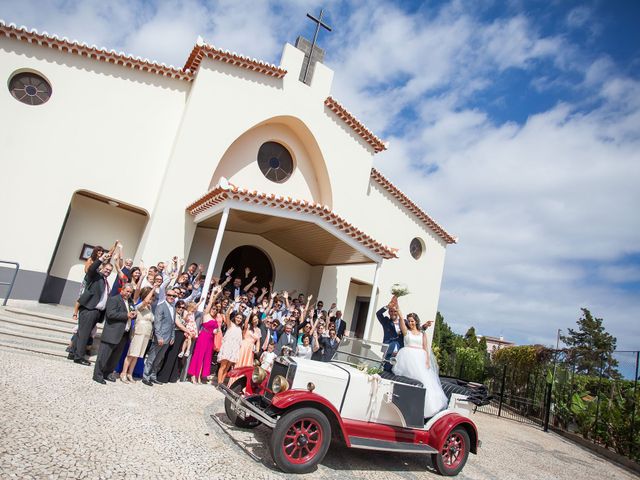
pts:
[255, 259]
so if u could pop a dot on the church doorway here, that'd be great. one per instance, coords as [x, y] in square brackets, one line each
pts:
[359, 321]
[253, 258]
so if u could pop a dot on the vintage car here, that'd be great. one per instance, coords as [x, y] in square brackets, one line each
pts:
[351, 400]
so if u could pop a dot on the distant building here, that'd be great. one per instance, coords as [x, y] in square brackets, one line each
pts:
[495, 343]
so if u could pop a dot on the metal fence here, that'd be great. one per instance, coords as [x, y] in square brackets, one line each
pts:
[592, 397]
[599, 405]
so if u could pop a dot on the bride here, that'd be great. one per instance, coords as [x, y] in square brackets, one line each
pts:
[416, 360]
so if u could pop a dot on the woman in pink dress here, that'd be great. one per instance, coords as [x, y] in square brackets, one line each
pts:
[231, 342]
[250, 342]
[200, 366]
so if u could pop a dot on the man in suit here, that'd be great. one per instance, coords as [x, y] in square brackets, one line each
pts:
[391, 330]
[329, 345]
[163, 335]
[341, 325]
[287, 339]
[118, 316]
[93, 302]
[268, 331]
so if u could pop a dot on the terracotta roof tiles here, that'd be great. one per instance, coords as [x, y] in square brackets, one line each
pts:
[97, 53]
[411, 206]
[219, 194]
[202, 50]
[368, 136]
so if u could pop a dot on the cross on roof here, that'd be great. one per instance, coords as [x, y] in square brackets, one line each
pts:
[319, 23]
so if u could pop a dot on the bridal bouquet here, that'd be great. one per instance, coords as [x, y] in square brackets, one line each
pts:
[399, 290]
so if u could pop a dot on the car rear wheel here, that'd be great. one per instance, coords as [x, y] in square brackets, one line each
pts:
[300, 440]
[250, 422]
[455, 451]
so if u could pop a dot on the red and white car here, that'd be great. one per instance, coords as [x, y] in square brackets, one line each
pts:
[308, 404]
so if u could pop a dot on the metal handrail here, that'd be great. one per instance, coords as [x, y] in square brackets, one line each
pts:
[13, 280]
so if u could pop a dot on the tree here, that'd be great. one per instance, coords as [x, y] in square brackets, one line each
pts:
[470, 339]
[591, 347]
[482, 345]
[445, 342]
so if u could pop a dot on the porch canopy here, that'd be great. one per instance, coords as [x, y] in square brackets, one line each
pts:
[310, 231]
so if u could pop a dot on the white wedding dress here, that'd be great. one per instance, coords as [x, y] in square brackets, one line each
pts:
[411, 361]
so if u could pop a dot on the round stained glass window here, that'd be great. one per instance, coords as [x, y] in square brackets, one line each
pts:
[30, 88]
[416, 248]
[275, 162]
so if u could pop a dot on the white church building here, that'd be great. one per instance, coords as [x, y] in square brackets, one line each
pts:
[228, 161]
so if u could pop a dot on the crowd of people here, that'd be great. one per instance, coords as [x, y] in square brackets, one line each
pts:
[154, 325]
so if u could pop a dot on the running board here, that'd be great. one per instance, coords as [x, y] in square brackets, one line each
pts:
[385, 445]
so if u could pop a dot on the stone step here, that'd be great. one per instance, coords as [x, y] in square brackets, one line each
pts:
[17, 312]
[31, 348]
[28, 323]
[31, 334]
[37, 343]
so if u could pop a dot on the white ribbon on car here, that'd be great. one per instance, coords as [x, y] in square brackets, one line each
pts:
[373, 398]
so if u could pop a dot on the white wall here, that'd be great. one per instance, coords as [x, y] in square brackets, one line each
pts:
[239, 164]
[107, 129]
[96, 223]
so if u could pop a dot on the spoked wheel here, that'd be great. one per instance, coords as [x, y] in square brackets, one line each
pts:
[454, 453]
[250, 422]
[300, 440]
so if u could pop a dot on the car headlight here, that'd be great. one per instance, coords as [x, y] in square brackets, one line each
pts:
[279, 384]
[258, 375]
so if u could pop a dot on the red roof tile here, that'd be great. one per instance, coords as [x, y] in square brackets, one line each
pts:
[411, 206]
[202, 50]
[84, 50]
[219, 194]
[368, 136]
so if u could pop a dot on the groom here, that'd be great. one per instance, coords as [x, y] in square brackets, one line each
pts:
[390, 321]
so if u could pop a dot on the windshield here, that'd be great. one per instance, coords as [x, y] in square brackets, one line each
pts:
[360, 353]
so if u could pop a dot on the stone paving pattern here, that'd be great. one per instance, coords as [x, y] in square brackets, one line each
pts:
[58, 423]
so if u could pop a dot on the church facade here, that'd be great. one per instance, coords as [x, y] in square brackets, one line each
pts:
[228, 161]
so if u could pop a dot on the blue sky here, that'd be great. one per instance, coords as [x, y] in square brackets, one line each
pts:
[515, 124]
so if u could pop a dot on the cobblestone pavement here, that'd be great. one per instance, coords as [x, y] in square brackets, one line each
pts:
[57, 423]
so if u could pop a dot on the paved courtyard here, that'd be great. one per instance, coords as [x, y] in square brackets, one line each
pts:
[57, 423]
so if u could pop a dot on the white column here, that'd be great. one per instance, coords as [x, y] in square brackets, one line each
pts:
[214, 256]
[372, 301]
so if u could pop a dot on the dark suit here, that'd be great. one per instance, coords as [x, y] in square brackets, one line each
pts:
[329, 348]
[88, 316]
[113, 338]
[391, 337]
[284, 340]
[341, 326]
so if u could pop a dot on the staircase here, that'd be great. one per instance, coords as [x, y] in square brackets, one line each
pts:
[38, 328]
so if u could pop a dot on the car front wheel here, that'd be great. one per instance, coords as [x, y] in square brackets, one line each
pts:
[455, 451]
[250, 422]
[300, 440]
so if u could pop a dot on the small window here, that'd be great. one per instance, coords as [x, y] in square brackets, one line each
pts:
[275, 162]
[30, 88]
[416, 247]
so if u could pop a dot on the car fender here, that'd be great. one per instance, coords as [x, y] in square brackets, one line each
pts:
[303, 398]
[250, 387]
[439, 431]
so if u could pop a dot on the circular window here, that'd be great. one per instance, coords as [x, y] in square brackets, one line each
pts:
[275, 162]
[416, 247]
[30, 88]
